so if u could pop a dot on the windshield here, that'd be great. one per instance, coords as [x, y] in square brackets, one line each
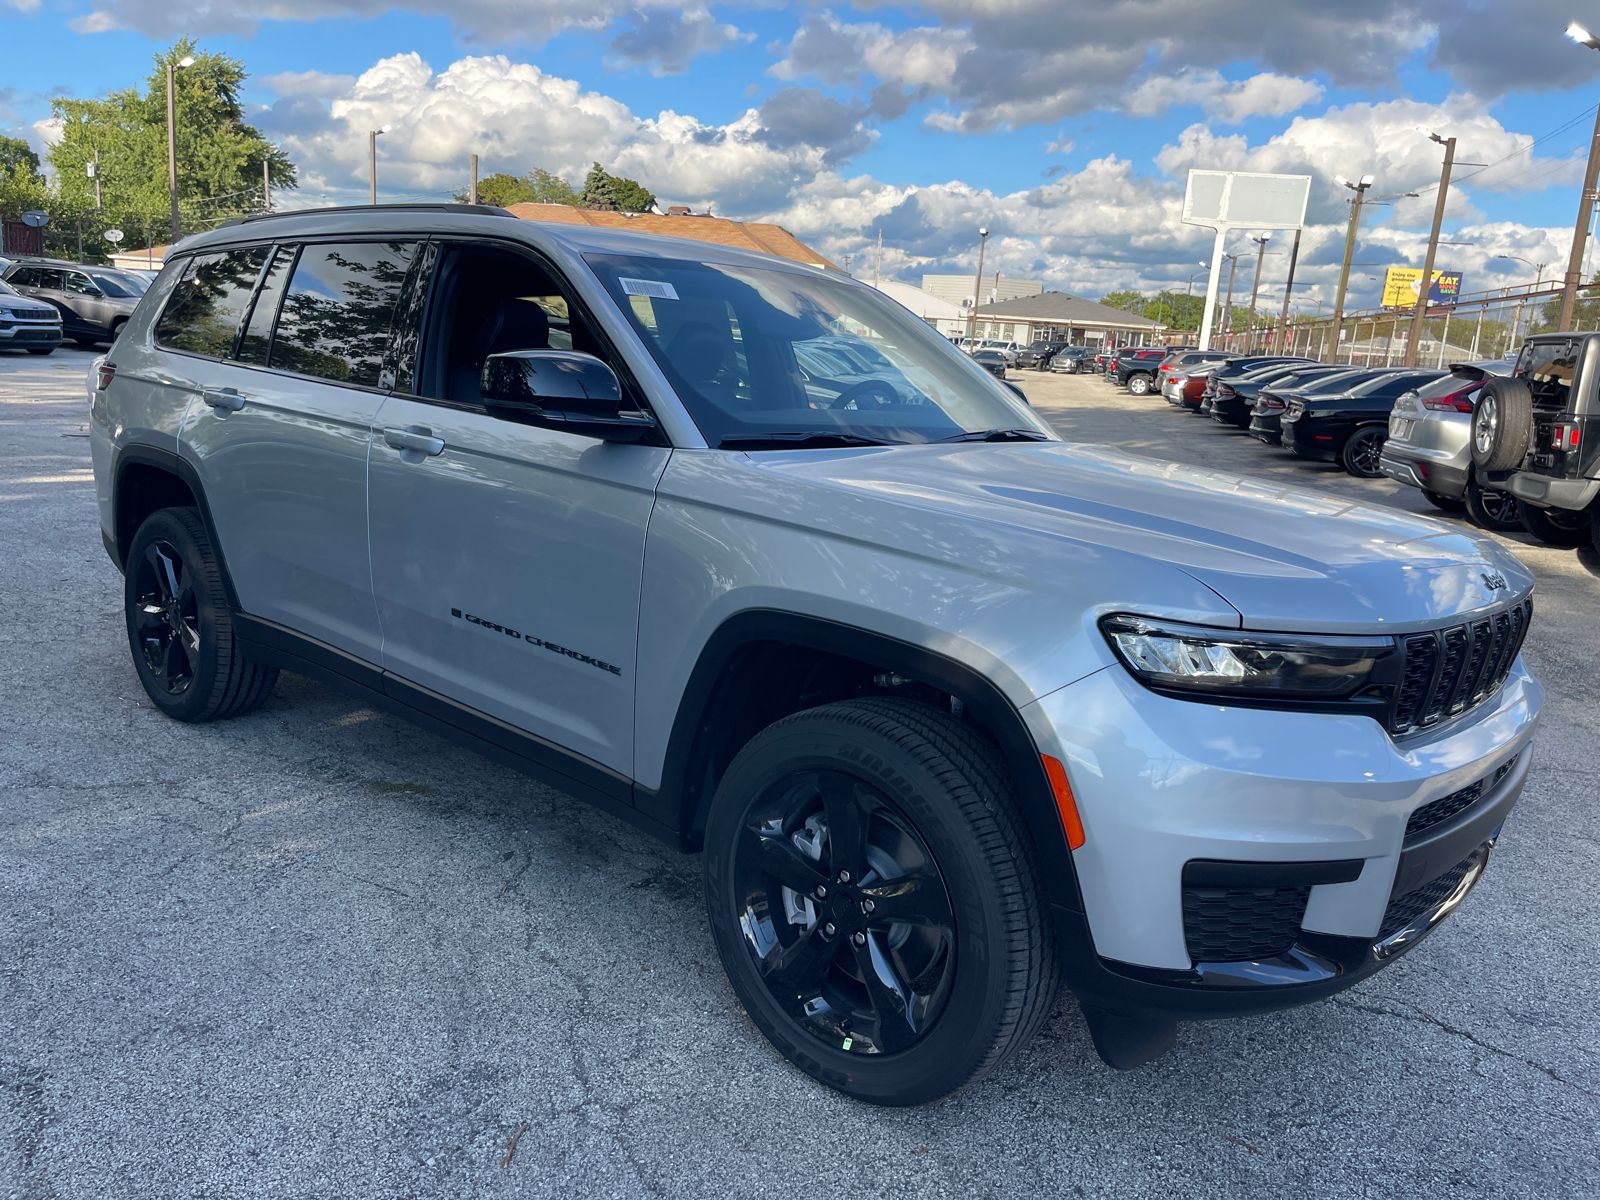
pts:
[7, 290]
[759, 353]
[127, 287]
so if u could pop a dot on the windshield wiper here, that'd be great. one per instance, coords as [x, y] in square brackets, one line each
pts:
[999, 435]
[809, 438]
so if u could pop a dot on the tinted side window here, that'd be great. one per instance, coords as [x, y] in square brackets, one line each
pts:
[336, 316]
[23, 277]
[48, 277]
[258, 329]
[79, 283]
[205, 310]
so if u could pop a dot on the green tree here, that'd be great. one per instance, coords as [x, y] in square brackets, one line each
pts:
[17, 155]
[219, 154]
[538, 186]
[613, 193]
[1133, 302]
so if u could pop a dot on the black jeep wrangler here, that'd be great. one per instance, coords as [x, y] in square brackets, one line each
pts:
[1536, 435]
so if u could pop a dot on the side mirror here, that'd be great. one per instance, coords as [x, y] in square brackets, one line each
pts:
[560, 389]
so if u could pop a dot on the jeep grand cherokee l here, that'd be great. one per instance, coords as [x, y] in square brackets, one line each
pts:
[952, 708]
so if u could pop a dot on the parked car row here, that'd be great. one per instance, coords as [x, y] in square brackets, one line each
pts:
[1413, 425]
[86, 303]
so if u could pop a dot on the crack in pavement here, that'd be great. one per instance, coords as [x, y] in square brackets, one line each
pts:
[1427, 1018]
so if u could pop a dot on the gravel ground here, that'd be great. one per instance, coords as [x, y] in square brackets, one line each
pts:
[315, 952]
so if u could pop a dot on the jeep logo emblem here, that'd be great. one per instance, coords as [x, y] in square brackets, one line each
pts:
[1494, 581]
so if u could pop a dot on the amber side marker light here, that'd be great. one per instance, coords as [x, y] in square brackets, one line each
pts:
[1065, 804]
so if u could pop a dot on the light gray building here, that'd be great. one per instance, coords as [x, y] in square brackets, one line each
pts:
[1056, 316]
[957, 289]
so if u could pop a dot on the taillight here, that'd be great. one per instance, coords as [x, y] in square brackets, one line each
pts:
[1564, 437]
[103, 375]
[1224, 389]
[1455, 402]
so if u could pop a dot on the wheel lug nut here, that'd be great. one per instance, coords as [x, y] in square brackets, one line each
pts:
[822, 891]
[867, 906]
[830, 929]
[844, 876]
[860, 938]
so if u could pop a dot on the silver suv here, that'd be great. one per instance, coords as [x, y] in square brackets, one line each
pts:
[1429, 446]
[746, 554]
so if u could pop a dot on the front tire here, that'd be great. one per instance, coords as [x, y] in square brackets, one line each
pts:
[1444, 503]
[1556, 526]
[874, 899]
[180, 626]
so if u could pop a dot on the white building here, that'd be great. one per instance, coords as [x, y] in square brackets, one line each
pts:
[957, 289]
[949, 319]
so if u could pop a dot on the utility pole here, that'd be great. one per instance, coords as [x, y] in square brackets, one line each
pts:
[1281, 340]
[977, 289]
[94, 174]
[1227, 328]
[1580, 234]
[1255, 288]
[1360, 189]
[266, 185]
[472, 189]
[1426, 284]
[877, 269]
[372, 158]
[172, 140]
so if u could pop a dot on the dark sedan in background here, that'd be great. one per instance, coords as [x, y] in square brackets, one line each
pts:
[1237, 401]
[1348, 425]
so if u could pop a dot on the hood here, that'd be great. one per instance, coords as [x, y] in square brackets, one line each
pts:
[1287, 559]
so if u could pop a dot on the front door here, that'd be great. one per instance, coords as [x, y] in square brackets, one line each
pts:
[88, 303]
[279, 434]
[507, 559]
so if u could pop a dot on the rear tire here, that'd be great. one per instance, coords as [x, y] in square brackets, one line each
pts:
[180, 626]
[1139, 385]
[893, 809]
[1489, 509]
[1556, 526]
[1363, 451]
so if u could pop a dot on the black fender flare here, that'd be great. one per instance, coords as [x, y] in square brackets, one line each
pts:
[682, 803]
[172, 463]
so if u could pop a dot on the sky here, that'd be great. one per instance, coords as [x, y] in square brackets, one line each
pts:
[1066, 130]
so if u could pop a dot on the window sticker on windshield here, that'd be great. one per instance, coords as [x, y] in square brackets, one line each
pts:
[647, 287]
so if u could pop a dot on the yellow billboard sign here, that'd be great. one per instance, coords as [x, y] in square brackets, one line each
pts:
[1400, 287]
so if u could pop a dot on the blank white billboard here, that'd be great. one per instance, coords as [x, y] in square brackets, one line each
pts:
[1231, 199]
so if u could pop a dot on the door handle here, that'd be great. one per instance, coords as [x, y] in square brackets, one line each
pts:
[222, 400]
[417, 438]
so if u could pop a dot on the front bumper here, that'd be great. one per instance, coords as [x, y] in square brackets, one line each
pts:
[16, 335]
[1162, 783]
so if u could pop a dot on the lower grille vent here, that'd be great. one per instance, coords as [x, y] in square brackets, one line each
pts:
[1405, 909]
[1241, 924]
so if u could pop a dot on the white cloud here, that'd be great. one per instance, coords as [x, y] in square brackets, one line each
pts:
[316, 84]
[1264, 95]
[668, 40]
[1107, 225]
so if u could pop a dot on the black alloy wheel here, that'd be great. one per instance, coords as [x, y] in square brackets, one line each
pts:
[1556, 526]
[166, 614]
[1363, 452]
[874, 899]
[845, 912]
[180, 626]
[1490, 509]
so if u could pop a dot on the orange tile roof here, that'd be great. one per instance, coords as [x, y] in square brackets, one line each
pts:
[764, 239]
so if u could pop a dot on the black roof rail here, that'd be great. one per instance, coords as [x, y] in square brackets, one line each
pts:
[479, 210]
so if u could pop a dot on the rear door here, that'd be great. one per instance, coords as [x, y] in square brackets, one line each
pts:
[279, 433]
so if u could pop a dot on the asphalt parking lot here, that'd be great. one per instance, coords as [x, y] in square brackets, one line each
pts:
[314, 952]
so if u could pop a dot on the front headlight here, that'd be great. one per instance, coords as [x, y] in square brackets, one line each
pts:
[1192, 658]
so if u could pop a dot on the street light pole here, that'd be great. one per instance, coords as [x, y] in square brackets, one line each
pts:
[1360, 189]
[1425, 286]
[977, 292]
[1227, 307]
[1580, 234]
[1282, 339]
[172, 139]
[1255, 288]
[372, 157]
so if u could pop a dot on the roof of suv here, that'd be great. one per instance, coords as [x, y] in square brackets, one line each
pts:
[482, 219]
